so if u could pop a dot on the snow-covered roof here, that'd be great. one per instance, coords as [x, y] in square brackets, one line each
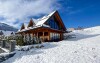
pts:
[44, 19]
[39, 22]
[25, 25]
[42, 25]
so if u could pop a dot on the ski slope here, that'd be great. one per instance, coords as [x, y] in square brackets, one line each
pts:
[85, 48]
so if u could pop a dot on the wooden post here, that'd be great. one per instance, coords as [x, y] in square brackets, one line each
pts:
[48, 36]
[3, 43]
[12, 45]
[37, 34]
[54, 36]
[24, 38]
[61, 36]
[29, 38]
[43, 36]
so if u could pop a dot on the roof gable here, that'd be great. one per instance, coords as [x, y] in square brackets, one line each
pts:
[58, 19]
[23, 26]
[31, 23]
[44, 19]
[57, 16]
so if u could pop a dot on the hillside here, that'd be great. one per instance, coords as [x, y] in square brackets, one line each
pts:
[85, 48]
[7, 27]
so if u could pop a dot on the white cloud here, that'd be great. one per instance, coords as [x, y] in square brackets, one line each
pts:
[12, 10]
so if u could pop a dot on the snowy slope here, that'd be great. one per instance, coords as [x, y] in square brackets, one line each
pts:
[85, 48]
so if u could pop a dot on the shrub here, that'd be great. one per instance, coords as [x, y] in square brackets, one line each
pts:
[19, 40]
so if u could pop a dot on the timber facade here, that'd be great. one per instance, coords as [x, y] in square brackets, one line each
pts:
[49, 28]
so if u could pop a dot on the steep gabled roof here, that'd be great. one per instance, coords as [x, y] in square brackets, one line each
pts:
[44, 19]
[31, 23]
[57, 15]
[23, 26]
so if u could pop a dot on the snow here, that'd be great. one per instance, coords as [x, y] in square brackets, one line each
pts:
[6, 50]
[34, 27]
[7, 33]
[85, 48]
[44, 19]
[42, 25]
[39, 22]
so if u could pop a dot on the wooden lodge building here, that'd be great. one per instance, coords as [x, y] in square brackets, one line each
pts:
[49, 28]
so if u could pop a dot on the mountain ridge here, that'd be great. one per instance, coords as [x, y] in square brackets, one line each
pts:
[7, 27]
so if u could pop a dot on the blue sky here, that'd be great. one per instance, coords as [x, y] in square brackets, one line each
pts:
[74, 13]
[85, 13]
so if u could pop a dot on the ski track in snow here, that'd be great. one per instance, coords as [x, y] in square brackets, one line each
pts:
[85, 48]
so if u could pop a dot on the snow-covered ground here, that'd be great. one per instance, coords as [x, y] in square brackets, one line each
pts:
[85, 48]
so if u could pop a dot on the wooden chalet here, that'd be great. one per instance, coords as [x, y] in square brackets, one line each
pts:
[49, 28]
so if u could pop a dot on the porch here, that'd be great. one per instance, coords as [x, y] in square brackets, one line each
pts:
[44, 34]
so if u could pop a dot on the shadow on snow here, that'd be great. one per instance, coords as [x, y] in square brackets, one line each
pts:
[20, 54]
[81, 36]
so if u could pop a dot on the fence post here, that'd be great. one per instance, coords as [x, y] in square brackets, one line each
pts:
[3, 43]
[12, 45]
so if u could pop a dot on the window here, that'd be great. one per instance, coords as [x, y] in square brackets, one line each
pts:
[45, 33]
[53, 24]
[40, 34]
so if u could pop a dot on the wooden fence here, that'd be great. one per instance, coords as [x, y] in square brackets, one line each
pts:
[10, 45]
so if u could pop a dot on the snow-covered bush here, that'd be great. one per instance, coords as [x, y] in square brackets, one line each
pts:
[2, 37]
[19, 40]
[27, 48]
